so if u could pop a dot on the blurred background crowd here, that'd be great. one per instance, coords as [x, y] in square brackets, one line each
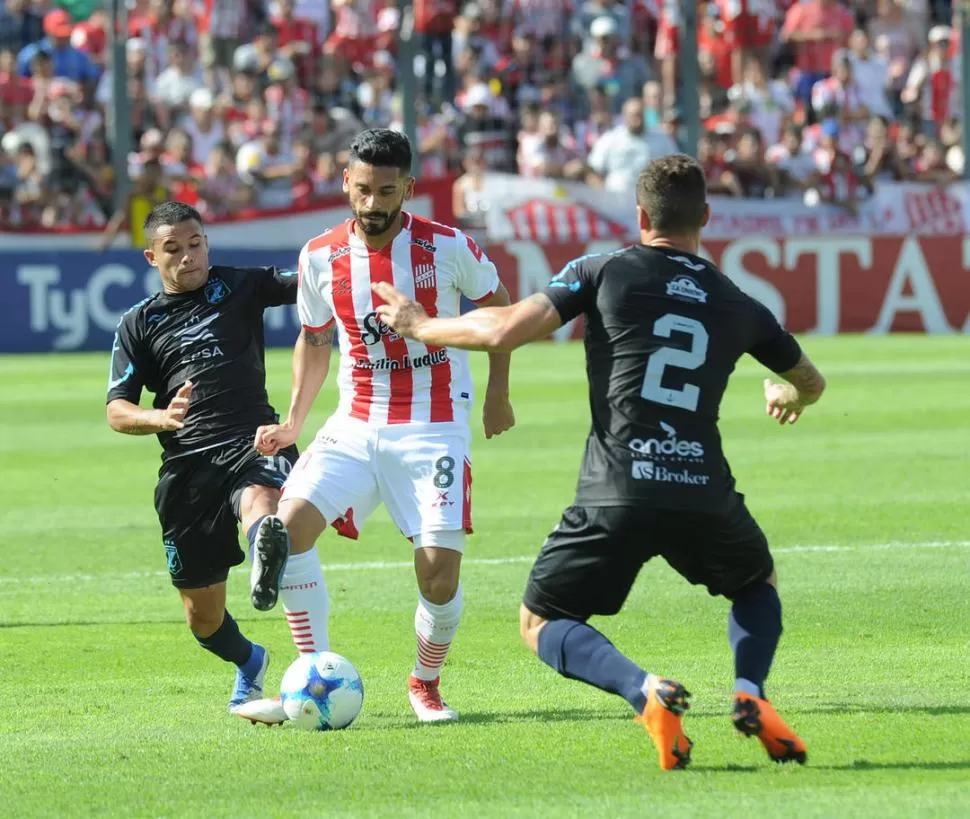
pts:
[251, 104]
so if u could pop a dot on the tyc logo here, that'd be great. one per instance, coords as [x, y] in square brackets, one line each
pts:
[373, 330]
[669, 447]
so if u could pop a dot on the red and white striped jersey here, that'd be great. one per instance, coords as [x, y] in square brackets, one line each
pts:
[384, 378]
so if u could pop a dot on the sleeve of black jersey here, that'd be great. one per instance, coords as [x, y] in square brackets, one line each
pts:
[572, 290]
[773, 346]
[129, 362]
[276, 286]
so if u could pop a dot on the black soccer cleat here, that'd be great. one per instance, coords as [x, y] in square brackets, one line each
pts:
[270, 553]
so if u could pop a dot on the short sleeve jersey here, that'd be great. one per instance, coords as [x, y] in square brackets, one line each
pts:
[664, 330]
[384, 378]
[212, 337]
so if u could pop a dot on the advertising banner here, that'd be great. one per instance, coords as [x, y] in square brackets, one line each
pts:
[834, 284]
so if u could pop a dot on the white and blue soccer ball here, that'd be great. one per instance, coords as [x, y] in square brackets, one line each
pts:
[321, 692]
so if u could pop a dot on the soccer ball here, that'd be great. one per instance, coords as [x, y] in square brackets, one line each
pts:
[321, 692]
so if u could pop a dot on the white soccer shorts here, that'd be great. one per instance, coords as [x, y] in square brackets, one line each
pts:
[420, 471]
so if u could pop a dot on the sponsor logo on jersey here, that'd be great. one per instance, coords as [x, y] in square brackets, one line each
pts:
[196, 331]
[373, 329]
[406, 363]
[342, 286]
[425, 244]
[199, 333]
[343, 251]
[669, 447]
[424, 276]
[216, 290]
[686, 289]
[649, 471]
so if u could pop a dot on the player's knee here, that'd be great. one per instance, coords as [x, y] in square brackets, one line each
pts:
[203, 621]
[530, 624]
[205, 608]
[439, 586]
[303, 522]
[437, 564]
[257, 502]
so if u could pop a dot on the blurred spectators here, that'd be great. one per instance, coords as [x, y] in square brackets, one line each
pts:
[247, 104]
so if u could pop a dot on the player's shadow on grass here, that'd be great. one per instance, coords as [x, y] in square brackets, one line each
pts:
[544, 715]
[866, 765]
[928, 710]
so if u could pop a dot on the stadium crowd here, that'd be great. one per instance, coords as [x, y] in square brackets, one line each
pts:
[249, 104]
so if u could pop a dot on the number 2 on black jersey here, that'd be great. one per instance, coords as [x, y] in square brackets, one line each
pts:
[691, 359]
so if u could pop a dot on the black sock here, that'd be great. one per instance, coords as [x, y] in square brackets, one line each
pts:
[754, 628]
[578, 651]
[227, 643]
[251, 536]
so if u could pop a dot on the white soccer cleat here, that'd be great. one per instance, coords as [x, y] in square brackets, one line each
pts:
[268, 711]
[427, 703]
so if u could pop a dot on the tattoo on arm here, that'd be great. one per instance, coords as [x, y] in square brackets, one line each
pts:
[318, 338]
[806, 378]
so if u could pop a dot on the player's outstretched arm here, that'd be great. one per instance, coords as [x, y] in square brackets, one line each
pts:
[311, 364]
[129, 418]
[786, 402]
[490, 329]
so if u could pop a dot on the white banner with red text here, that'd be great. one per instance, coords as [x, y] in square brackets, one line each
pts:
[812, 284]
[544, 210]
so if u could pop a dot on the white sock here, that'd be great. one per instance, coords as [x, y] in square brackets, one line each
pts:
[436, 627]
[304, 593]
[648, 681]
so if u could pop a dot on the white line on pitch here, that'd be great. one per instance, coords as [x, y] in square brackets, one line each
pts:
[479, 561]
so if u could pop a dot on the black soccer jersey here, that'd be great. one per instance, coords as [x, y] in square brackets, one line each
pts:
[663, 332]
[212, 337]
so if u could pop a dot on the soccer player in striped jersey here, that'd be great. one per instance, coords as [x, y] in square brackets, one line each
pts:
[400, 435]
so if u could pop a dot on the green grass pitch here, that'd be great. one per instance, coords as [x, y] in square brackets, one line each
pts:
[107, 706]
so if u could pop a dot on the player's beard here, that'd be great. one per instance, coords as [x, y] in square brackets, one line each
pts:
[376, 223]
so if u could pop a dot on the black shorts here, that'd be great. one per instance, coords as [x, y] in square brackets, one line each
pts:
[197, 499]
[590, 561]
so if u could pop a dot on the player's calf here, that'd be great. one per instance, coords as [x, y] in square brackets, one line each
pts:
[437, 559]
[579, 652]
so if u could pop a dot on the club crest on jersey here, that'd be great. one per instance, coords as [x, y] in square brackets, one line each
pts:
[424, 276]
[686, 289]
[216, 290]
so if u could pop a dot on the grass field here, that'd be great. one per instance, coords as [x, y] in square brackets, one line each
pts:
[109, 708]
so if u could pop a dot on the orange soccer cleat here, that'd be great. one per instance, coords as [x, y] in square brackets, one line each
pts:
[755, 717]
[661, 717]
